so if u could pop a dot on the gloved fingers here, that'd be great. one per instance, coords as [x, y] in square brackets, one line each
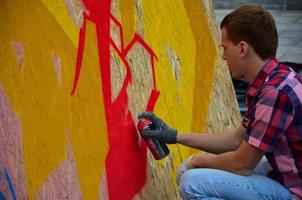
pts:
[177, 178]
[146, 115]
[179, 174]
[156, 120]
[150, 133]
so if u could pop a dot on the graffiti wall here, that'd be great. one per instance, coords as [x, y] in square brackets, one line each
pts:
[75, 74]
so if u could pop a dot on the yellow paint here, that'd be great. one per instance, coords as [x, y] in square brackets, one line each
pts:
[204, 64]
[166, 24]
[63, 16]
[127, 19]
[46, 108]
[44, 29]
[182, 26]
[89, 135]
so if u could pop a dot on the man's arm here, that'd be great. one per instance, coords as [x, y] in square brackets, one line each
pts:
[213, 143]
[241, 161]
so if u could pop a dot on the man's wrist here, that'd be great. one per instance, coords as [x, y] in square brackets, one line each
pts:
[175, 136]
[178, 137]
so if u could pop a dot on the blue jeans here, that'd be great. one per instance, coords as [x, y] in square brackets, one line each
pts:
[213, 184]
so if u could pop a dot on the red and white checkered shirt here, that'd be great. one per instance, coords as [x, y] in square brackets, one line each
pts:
[274, 122]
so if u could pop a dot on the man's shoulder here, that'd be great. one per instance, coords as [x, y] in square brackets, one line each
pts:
[284, 83]
[283, 79]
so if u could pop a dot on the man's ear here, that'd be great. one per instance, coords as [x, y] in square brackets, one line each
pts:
[243, 48]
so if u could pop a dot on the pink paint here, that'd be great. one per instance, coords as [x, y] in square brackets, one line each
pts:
[126, 159]
[11, 151]
[103, 190]
[63, 182]
[18, 47]
[57, 64]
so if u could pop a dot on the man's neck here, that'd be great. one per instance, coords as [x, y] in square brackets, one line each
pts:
[254, 64]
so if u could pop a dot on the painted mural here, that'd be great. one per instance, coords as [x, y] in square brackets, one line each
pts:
[73, 77]
[125, 165]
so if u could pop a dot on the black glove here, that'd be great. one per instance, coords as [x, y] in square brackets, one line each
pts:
[161, 131]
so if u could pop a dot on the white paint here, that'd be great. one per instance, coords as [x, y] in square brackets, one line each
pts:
[18, 47]
[76, 12]
[57, 63]
[174, 63]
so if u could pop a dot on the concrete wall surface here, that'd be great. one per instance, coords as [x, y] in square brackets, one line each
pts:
[75, 74]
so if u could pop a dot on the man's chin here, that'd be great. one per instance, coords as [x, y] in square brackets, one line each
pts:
[236, 77]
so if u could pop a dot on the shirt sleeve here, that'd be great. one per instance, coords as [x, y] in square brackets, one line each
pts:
[271, 115]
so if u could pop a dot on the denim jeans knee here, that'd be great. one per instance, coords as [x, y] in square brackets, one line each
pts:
[217, 184]
[187, 186]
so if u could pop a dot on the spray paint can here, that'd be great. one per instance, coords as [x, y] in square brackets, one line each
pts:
[158, 149]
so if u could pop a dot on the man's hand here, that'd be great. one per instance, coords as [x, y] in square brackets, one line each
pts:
[184, 167]
[161, 132]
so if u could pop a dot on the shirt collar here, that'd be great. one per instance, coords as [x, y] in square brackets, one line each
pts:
[262, 76]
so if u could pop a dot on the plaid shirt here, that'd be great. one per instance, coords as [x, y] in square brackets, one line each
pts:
[274, 122]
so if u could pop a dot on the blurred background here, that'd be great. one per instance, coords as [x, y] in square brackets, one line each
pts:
[288, 18]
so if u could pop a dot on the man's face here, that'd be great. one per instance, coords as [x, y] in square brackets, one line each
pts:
[231, 53]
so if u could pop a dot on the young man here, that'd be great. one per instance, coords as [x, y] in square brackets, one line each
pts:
[272, 126]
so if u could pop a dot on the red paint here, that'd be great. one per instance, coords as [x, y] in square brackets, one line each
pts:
[126, 160]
